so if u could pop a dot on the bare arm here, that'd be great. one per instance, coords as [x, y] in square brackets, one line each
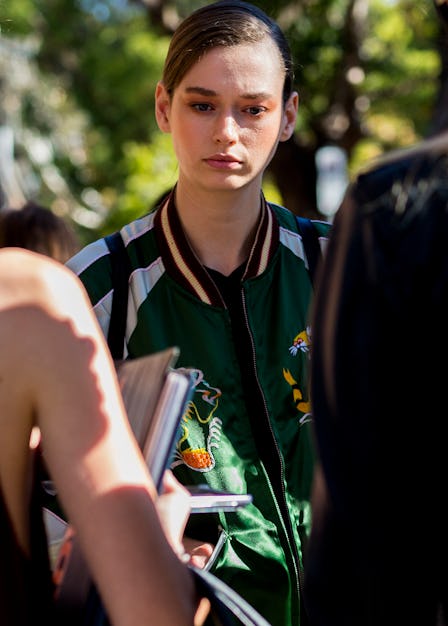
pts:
[60, 376]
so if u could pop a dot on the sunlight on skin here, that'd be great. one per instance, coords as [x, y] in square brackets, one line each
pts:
[35, 437]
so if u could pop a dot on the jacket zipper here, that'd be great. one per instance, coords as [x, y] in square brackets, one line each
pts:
[280, 502]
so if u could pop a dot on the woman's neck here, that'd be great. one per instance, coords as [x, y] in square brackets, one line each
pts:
[220, 228]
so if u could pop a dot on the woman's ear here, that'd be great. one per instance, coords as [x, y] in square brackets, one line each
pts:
[290, 116]
[162, 108]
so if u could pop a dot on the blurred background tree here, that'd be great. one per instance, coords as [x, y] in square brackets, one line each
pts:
[77, 78]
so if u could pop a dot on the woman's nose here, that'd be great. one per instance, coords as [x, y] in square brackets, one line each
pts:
[226, 129]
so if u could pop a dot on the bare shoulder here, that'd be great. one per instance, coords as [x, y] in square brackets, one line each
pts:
[28, 278]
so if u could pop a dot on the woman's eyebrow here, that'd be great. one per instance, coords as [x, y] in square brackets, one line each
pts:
[202, 91]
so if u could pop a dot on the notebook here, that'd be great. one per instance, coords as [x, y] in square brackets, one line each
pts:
[155, 396]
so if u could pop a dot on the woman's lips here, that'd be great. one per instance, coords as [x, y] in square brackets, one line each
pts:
[223, 162]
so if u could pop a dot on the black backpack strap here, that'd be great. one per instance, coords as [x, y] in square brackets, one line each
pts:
[228, 608]
[121, 270]
[311, 244]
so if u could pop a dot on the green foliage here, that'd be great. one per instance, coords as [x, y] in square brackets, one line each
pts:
[95, 65]
[16, 18]
[403, 65]
[149, 170]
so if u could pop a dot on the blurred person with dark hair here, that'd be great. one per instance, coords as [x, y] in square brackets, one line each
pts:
[39, 229]
[378, 549]
[35, 227]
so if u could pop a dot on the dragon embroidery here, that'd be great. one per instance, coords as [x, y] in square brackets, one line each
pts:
[201, 428]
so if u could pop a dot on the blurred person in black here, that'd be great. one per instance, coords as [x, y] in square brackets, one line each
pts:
[378, 548]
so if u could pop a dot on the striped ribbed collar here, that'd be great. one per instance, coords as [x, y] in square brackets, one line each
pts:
[182, 264]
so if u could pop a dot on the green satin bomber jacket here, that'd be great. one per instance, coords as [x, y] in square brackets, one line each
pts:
[248, 427]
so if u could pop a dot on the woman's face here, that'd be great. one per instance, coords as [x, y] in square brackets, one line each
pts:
[226, 116]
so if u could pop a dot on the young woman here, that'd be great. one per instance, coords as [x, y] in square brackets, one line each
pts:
[221, 272]
[56, 373]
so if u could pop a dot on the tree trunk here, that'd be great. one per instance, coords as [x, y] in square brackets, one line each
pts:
[294, 172]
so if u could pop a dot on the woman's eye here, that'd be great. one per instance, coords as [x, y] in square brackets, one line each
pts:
[255, 110]
[201, 106]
